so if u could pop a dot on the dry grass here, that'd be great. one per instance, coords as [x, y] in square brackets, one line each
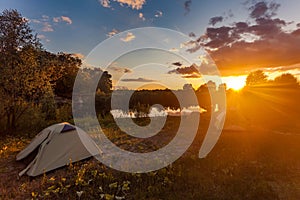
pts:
[256, 164]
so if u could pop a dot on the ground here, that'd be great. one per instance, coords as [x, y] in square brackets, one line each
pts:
[252, 164]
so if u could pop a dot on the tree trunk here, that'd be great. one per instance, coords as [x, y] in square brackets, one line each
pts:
[10, 121]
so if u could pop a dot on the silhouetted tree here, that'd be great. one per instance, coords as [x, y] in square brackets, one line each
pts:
[187, 86]
[286, 80]
[66, 67]
[256, 78]
[105, 83]
[204, 96]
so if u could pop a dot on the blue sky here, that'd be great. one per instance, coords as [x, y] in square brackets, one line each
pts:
[91, 22]
[79, 26]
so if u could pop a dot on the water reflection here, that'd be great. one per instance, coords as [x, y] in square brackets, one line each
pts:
[157, 112]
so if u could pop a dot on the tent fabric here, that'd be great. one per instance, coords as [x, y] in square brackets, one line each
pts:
[59, 145]
[67, 127]
[40, 138]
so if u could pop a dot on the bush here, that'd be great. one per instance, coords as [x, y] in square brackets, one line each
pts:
[64, 113]
[32, 121]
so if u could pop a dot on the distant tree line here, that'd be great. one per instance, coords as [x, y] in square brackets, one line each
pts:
[262, 102]
[142, 100]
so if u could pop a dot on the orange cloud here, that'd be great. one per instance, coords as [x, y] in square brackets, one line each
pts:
[78, 55]
[128, 37]
[112, 33]
[66, 19]
[244, 46]
[134, 4]
[143, 80]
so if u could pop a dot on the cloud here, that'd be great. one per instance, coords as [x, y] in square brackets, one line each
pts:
[62, 18]
[193, 69]
[56, 19]
[47, 27]
[120, 87]
[66, 19]
[45, 17]
[191, 46]
[187, 5]
[177, 64]
[128, 37]
[43, 37]
[192, 76]
[282, 68]
[105, 3]
[124, 70]
[127, 70]
[133, 4]
[112, 33]
[260, 43]
[174, 50]
[219, 36]
[258, 10]
[213, 21]
[144, 80]
[263, 9]
[36, 21]
[141, 16]
[40, 36]
[78, 55]
[229, 14]
[158, 14]
[46, 24]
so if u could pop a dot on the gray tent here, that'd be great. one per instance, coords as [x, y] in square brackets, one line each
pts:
[57, 146]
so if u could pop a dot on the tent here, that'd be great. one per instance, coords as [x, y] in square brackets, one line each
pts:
[57, 146]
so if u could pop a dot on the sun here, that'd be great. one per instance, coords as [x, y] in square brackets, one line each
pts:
[235, 82]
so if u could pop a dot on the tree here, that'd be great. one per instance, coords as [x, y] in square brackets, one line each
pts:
[187, 86]
[22, 81]
[105, 82]
[30, 75]
[204, 93]
[256, 78]
[286, 80]
[15, 32]
[90, 75]
[66, 67]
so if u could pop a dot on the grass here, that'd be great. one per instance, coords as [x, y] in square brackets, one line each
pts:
[256, 164]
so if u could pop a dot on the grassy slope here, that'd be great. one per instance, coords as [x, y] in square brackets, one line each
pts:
[256, 164]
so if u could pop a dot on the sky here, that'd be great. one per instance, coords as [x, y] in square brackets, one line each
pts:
[238, 36]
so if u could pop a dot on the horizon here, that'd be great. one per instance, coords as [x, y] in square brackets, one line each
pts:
[239, 36]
